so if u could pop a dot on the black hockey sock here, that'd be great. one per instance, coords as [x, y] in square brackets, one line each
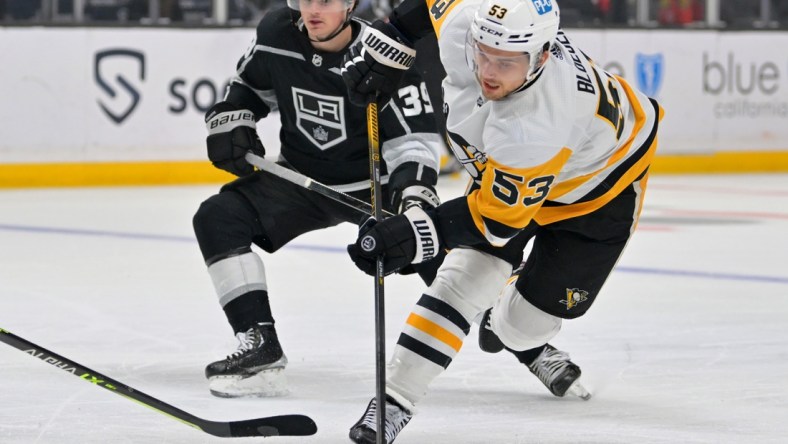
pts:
[248, 310]
[527, 357]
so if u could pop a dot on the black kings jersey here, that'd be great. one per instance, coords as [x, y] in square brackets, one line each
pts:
[323, 135]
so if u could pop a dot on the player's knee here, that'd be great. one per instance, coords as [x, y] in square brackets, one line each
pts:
[208, 218]
[201, 216]
[470, 280]
[219, 225]
[520, 325]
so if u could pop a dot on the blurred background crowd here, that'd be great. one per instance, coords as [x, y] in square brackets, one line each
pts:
[718, 14]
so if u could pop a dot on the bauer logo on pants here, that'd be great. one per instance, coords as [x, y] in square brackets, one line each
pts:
[320, 118]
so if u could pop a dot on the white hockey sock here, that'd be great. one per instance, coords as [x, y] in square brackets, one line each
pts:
[237, 275]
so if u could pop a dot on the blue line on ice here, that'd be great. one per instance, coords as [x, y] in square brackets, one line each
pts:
[329, 249]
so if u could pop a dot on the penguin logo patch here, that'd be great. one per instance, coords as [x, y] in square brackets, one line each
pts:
[574, 296]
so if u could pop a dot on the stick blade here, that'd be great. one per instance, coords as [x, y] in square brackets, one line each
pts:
[283, 425]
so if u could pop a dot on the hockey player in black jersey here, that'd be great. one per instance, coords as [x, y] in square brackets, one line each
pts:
[293, 67]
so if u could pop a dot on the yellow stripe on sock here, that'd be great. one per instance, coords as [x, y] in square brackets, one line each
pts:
[435, 330]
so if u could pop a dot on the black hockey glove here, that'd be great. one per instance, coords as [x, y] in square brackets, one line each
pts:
[377, 63]
[409, 238]
[231, 133]
[413, 184]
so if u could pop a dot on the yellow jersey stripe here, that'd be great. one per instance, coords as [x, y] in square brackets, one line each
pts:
[486, 202]
[439, 10]
[640, 121]
[548, 215]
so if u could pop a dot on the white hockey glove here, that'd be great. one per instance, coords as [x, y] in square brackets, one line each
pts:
[377, 63]
[408, 238]
[417, 195]
[231, 134]
[413, 184]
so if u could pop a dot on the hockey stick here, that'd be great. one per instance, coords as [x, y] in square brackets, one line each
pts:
[284, 425]
[310, 184]
[380, 326]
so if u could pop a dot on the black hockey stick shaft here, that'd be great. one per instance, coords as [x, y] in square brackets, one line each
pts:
[380, 324]
[310, 184]
[295, 425]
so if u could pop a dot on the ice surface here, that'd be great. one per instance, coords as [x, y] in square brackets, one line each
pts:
[688, 342]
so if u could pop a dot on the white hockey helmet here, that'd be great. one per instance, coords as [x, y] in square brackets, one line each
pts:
[525, 26]
[516, 25]
[328, 5]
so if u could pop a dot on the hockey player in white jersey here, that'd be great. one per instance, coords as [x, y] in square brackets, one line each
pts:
[560, 153]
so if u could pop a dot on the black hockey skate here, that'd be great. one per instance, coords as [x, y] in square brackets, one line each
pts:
[488, 340]
[255, 369]
[558, 373]
[365, 430]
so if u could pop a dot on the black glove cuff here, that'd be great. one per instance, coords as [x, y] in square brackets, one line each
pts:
[412, 180]
[391, 31]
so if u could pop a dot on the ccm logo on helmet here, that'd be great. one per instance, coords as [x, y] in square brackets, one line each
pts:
[388, 51]
[491, 31]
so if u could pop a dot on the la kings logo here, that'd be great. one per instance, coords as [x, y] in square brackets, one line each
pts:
[320, 118]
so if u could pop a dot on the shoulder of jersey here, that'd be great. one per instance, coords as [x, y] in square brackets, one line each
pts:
[363, 22]
[565, 72]
[275, 28]
[360, 24]
[463, 10]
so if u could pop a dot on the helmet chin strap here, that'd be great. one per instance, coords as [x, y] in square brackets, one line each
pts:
[530, 78]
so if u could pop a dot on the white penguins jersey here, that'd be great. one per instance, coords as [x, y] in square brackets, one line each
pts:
[560, 148]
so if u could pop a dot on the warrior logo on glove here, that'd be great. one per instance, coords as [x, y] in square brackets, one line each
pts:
[381, 48]
[408, 238]
[368, 243]
[425, 230]
[376, 64]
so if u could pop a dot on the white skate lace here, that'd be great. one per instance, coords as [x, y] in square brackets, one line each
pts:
[246, 341]
[396, 419]
[549, 363]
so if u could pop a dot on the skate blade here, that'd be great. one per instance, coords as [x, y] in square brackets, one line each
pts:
[578, 390]
[266, 384]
